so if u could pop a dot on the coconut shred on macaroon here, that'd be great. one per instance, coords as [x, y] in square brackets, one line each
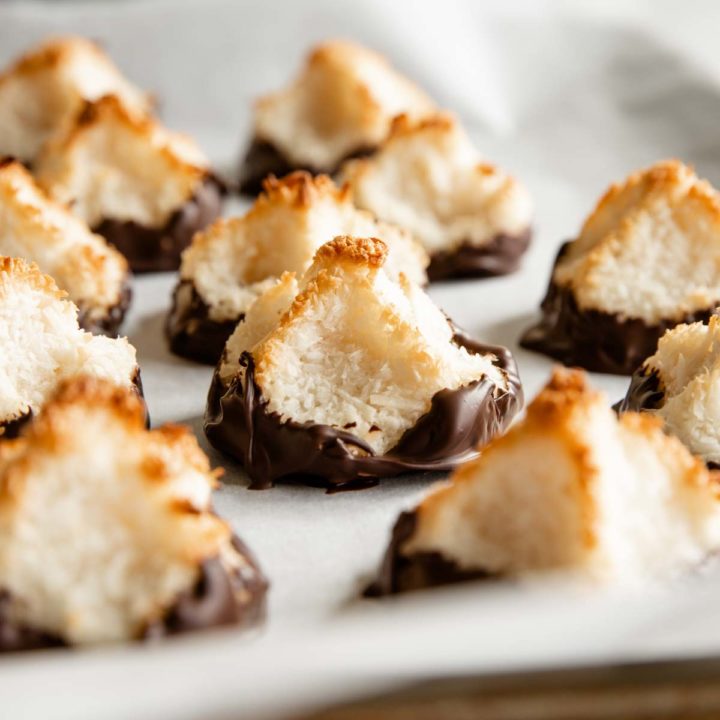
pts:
[107, 535]
[235, 260]
[646, 260]
[569, 489]
[340, 106]
[344, 375]
[144, 188]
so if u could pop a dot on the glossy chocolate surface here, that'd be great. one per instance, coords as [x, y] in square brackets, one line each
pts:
[592, 339]
[499, 256]
[645, 392]
[190, 331]
[417, 571]
[238, 423]
[150, 249]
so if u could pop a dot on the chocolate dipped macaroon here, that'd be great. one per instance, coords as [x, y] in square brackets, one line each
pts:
[231, 263]
[340, 106]
[645, 261]
[107, 535]
[43, 344]
[680, 385]
[146, 189]
[94, 274]
[570, 488]
[473, 219]
[343, 376]
[45, 89]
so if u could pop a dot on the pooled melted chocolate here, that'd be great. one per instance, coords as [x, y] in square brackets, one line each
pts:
[401, 573]
[219, 598]
[110, 323]
[238, 423]
[592, 339]
[189, 329]
[499, 256]
[263, 159]
[149, 249]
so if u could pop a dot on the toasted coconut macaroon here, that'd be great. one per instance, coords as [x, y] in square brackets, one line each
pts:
[571, 488]
[108, 535]
[146, 189]
[680, 384]
[340, 106]
[42, 344]
[229, 265]
[345, 376]
[646, 260]
[46, 88]
[93, 273]
[473, 219]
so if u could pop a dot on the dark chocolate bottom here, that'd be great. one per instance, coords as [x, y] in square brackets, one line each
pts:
[263, 159]
[218, 599]
[645, 393]
[238, 423]
[499, 256]
[109, 324]
[594, 340]
[402, 573]
[191, 332]
[150, 249]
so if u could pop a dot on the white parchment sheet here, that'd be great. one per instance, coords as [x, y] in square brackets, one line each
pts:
[567, 96]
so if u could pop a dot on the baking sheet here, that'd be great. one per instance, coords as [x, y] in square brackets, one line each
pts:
[566, 96]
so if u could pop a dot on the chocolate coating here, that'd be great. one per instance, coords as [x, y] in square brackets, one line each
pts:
[595, 340]
[190, 331]
[151, 249]
[219, 598]
[402, 573]
[645, 392]
[14, 637]
[263, 159]
[109, 324]
[500, 256]
[238, 423]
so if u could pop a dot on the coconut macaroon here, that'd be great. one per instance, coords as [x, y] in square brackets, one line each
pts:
[143, 187]
[570, 488]
[340, 106]
[472, 218]
[41, 344]
[93, 273]
[680, 383]
[345, 375]
[108, 534]
[646, 260]
[234, 261]
[46, 88]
